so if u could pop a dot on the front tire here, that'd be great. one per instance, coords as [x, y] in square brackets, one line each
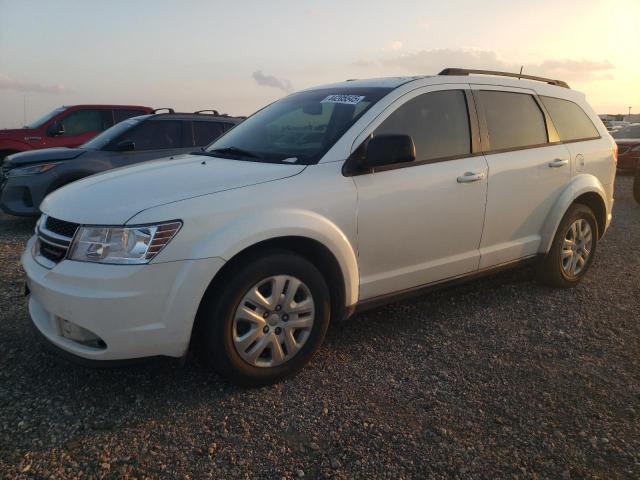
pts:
[266, 321]
[572, 250]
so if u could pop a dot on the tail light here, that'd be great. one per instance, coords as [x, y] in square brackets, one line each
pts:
[615, 153]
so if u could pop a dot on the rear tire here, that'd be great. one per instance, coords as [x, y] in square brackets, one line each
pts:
[258, 339]
[572, 250]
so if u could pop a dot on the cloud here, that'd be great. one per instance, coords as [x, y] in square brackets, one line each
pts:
[573, 69]
[393, 46]
[8, 83]
[271, 81]
[432, 61]
[363, 62]
[428, 62]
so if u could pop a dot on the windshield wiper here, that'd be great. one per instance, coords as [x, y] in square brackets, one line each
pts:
[234, 151]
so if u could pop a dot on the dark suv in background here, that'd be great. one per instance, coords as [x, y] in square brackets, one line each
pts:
[28, 177]
[68, 126]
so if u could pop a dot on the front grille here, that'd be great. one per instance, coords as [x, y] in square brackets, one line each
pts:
[61, 227]
[51, 252]
[622, 150]
[4, 171]
[54, 239]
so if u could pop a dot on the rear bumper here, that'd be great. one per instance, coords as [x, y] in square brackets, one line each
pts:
[136, 311]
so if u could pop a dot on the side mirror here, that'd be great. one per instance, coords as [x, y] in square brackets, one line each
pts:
[125, 146]
[388, 150]
[55, 129]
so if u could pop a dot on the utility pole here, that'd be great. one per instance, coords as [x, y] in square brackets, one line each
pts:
[24, 110]
[629, 111]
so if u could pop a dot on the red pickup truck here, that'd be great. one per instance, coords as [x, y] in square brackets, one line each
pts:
[66, 127]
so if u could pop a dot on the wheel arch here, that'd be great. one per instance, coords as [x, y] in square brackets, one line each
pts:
[306, 233]
[583, 189]
[310, 249]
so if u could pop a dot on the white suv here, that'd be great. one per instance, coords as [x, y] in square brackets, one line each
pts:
[327, 201]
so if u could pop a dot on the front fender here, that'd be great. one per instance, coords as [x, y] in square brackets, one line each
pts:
[226, 241]
[579, 185]
[14, 145]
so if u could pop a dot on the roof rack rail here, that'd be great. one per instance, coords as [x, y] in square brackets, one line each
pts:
[169, 110]
[465, 71]
[213, 112]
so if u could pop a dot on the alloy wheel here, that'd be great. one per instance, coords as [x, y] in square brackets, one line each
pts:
[576, 247]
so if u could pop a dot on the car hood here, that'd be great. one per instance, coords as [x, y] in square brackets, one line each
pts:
[12, 132]
[44, 155]
[113, 197]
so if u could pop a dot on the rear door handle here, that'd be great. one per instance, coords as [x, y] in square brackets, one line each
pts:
[558, 162]
[469, 177]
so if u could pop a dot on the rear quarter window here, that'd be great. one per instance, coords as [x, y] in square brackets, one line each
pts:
[571, 122]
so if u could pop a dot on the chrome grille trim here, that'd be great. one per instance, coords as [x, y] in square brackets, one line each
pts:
[54, 239]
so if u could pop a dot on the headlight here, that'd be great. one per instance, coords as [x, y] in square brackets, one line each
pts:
[122, 245]
[31, 170]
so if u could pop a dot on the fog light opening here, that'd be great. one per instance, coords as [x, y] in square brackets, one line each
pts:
[77, 334]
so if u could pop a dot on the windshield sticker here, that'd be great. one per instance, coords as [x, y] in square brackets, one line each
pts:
[346, 99]
[290, 160]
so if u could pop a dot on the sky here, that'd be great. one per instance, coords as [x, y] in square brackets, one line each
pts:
[237, 56]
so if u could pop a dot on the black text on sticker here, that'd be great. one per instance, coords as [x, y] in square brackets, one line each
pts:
[347, 99]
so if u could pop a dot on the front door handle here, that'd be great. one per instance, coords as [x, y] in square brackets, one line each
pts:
[558, 162]
[469, 177]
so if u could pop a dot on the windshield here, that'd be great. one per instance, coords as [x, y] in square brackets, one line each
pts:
[105, 138]
[627, 132]
[41, 121]
[299, 128]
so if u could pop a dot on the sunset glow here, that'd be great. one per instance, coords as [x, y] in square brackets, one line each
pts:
[238, 56]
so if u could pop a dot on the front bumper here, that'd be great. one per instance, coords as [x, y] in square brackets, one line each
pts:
[22, 195]
[136, 311]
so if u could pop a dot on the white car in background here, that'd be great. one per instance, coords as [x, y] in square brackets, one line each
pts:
[327, 201]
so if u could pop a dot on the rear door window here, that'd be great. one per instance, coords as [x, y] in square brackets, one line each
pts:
[206, 132]
[438, 122]
[123, 114]
[81, 122]
[569, 119]
[514, 120]
[155, 135]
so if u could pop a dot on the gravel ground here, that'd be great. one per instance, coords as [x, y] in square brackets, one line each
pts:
[501, 377]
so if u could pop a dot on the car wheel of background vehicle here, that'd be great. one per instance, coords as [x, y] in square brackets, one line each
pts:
[572, 250]
[636, 185]
[266, 321]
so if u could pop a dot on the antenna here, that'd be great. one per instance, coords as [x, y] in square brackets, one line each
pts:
[521, 70]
